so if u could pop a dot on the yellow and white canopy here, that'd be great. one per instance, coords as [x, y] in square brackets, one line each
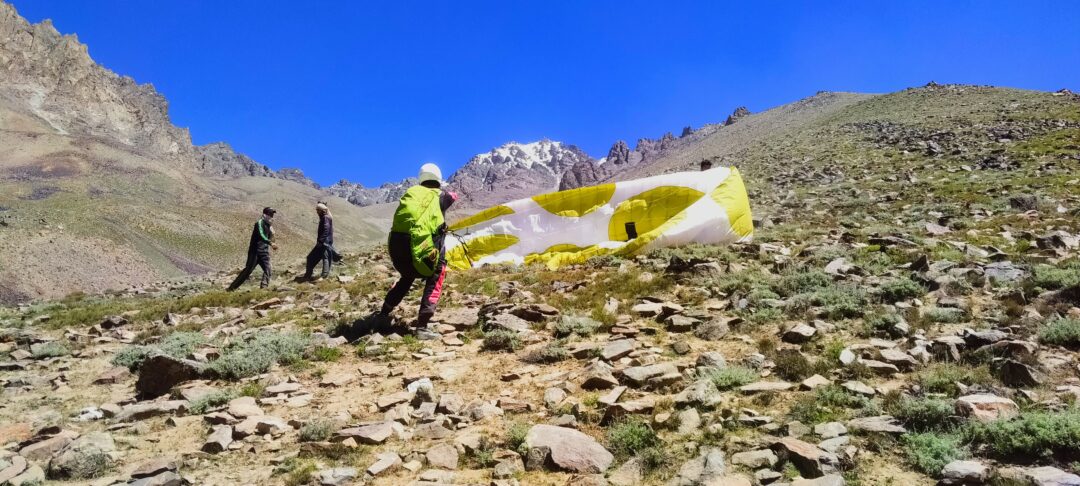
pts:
[567, 227]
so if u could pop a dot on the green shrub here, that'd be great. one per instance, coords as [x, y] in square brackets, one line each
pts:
[630, 436]
[827, 404]
[1031, 435]
[177, 345]
[53, 349]
[943, 378]
[882, 324]
[515, 437]
[324, 354]
[731, 377]
[501, 340]
[1052, 278]
[571, 325]
[838, 302]
[930, 452]
[552, 352]
[1061, 332]
[803, 282]
[655, 458]
[792, 365]
[944, 314]
[901, 289]
[924, 413]
[316, 431]
[760, 294]
[249, 357]
[211, 400]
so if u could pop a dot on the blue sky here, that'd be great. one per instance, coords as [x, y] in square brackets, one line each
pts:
[369, 91]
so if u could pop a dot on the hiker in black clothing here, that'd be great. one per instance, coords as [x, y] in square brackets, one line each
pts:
[262, 240]
[324, 243]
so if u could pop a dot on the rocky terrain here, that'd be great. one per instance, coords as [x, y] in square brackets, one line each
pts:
[909, 312]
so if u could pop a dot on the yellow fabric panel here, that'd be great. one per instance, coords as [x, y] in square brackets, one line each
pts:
[478, 248]
[650, 209]
[575, 203]
[565, 254]
[731, 195]
[644, 239]
[485, 215]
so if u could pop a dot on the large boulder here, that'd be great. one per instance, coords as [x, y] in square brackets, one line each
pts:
[565, 449]
[160, 373]
[84, 457]
[986, 407]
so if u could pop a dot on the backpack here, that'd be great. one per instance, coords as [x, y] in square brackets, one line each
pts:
[420, 216]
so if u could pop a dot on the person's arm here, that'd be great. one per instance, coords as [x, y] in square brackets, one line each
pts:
[447, 199]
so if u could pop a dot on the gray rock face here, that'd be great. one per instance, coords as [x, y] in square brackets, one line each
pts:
[986, 407]
[93, 448]
[881, 424]
[964, 473]
[159, 373]
[218, 440]
[336, 476]
[811, 461]
[567, 449]
[443, 456]
[359, 195]
[755, 459]
[827, 480]
[515, 170]
[656, 375]
[376, 433]
[706, 468]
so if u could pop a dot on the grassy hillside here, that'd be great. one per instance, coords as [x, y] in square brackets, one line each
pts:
[86, 215]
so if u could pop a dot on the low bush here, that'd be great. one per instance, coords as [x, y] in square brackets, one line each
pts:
[501, 340]
[838, 302]
[177, 345]
[571, 325]
[52, 349]
[930, 452]
[792, 365]
[211, 400]
[1061, 332]
[901, 289]
[249, 357]
[515, 437]
[882, 324]
[1049, 277]
[552, 352]
[731, 377]
[325, 354]
[1035, 435]
[803, 282]
[826, 404]
[924, 414]
[943, 378]
[630, 436]
[316, 431]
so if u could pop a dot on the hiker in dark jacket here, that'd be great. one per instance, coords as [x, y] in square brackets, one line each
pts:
[324, 243]
[262, 240]
[403, 251]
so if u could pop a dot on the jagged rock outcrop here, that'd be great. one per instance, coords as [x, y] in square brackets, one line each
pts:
[736, 115]
[52, 77]
[515, 170]
[366, 196]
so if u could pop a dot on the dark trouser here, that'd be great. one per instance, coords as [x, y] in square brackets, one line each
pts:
[255, 258]
[401, 256]
[321, 253]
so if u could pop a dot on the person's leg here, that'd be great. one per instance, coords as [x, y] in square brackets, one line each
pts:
[245, 273]
[264, 262]
[432, 292]
[327, 261]
[396, 294]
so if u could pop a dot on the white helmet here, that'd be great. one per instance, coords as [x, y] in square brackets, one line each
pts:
[430, 172]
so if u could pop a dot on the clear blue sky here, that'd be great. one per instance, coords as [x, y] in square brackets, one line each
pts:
[368, 91]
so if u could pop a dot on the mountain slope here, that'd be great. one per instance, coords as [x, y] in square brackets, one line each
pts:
[513, 171]
[98, 190]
